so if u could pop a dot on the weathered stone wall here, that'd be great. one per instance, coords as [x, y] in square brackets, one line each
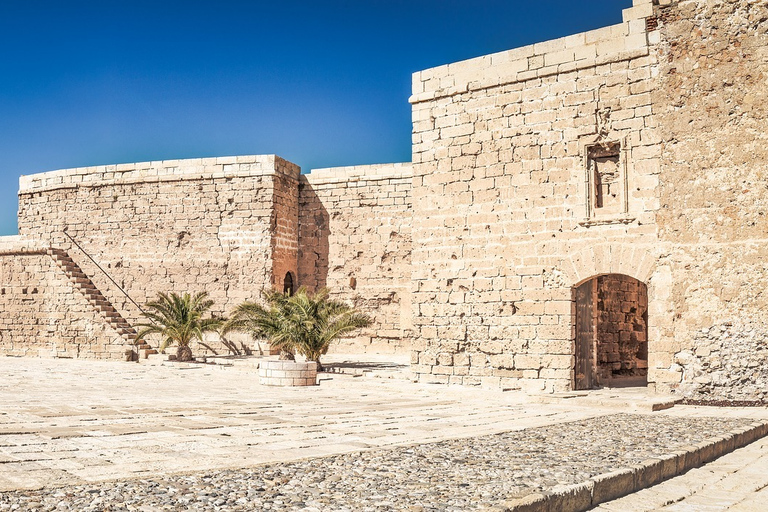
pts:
[622, 348]
[712, 108]
[43, 314]
[511, 152]
[726, 362]
[355, 239]
[218, 225]
[638, 149]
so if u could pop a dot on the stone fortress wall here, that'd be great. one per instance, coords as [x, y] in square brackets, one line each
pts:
[628, 161]
[182, 225]
[229, 226]
[43, 313]
[712, 111]
[506, 220]
[356, 240]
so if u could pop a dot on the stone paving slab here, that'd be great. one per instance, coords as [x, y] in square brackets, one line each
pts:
[165, 420]
[209, 417]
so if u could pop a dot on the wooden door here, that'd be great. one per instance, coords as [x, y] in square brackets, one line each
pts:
[584, 371]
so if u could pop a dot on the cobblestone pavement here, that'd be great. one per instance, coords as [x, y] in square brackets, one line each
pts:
[461, 474]
[98, 434]
[736, 482]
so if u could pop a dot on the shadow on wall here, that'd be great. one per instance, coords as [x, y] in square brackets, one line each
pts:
[314, 230]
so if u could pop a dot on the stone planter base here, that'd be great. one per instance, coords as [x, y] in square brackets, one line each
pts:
[287, 373]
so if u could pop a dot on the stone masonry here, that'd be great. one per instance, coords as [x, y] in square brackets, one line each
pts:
[633, 156]
[506, 221]
[632, 150]
[356, 240]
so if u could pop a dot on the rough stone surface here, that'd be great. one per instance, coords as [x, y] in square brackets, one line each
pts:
[712, 106]
[727, 362]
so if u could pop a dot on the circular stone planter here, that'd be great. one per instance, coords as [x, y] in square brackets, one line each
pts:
[287, 373]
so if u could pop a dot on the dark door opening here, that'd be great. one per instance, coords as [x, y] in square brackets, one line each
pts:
[611, 345]
[288, 286]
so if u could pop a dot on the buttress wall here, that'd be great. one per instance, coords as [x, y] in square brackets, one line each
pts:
[355, 239]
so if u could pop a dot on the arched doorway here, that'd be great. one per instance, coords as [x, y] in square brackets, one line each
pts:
[611, 335]
[288, 284]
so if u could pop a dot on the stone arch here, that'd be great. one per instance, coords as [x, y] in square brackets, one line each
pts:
[631, 260]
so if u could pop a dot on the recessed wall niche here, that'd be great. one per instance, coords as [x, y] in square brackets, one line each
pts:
[606, 181]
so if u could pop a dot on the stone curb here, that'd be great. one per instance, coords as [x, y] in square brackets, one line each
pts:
[610, 486]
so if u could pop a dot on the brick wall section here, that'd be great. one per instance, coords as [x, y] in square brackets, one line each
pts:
[712, 109]
[355, 239]
[48, 316]
[622, 348]
[285, 222]
[181, 225]
[502, 224]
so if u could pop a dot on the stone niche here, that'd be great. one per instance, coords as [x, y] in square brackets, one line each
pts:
[606, 179]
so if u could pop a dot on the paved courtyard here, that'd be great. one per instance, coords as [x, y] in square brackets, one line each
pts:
[72, 422]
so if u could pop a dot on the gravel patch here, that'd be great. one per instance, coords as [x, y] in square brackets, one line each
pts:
[456, 475]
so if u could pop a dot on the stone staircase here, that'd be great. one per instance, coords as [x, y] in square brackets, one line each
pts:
[83, 283]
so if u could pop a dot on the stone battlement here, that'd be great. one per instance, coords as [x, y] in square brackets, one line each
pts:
[627, 40]
[159, 171]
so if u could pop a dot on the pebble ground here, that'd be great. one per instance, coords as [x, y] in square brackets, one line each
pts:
[478, 473]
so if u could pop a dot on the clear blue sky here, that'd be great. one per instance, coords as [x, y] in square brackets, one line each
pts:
[320, 83]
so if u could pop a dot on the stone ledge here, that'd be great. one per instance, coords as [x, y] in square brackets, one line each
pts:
[355, 173]
[159, 171]
[18, 245]
[607, 487]
[524, 76]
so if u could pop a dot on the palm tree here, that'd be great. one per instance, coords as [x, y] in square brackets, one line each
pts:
[302, 323]
[179, 319]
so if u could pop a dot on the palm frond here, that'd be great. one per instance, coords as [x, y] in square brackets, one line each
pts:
[305, 323]
[178, 318]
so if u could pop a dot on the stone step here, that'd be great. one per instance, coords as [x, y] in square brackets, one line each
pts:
[144, 353]
[94, 296]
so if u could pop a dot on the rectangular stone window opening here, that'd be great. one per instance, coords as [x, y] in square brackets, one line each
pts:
[606, 180]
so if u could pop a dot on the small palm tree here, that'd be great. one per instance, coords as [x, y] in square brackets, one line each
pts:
[302, 323]
[179, 319]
